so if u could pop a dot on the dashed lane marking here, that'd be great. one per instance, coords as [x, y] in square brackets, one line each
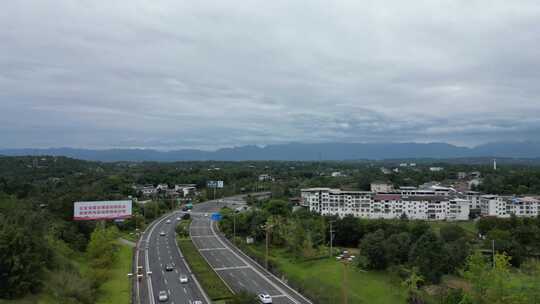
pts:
[231, 268]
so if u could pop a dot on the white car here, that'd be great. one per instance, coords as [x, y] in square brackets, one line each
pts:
[168, 221]
[178, 218]
[162, 233]
[206, 214]
[265, 298]
[183, 278]
[197, 302]
[163, 297]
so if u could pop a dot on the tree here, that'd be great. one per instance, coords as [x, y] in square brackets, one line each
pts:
[492, 284]
[372, 247]
[450, 233]
[412, 282]
[429, 256]
[397, 248]
[24, 252]
[278, 207]
[457, 252]
[347, 232]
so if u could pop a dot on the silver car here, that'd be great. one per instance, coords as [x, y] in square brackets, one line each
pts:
[163, 296]
[183, 278]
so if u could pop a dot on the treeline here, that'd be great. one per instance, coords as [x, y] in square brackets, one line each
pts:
[33, 258]
[519, 238]
[301, 233]
[408, 245]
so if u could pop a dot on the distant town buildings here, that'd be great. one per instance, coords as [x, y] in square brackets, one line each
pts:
[436, 169]
[366, 204]
[379, 186]
[428, 202]
[180, 190]
[265, 177]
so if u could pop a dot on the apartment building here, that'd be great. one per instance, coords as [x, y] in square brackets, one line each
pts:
[523, 206]
[326, 201]
[379, 186]
[493, 205]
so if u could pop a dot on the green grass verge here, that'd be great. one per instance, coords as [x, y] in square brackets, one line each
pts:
[212, 284]
[468, 226]
[117, 290]
[322, 279]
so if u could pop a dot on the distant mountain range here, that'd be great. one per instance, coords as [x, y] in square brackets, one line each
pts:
[299, 151]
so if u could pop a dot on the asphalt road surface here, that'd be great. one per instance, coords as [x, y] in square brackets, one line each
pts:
[154, 252]
[237, 270]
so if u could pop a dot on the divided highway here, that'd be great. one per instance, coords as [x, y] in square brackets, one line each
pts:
[154, 252]
[236, 269]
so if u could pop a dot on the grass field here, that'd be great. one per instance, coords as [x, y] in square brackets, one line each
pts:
[211, 283]
[117, 289]
[323, 278]
[469, 226]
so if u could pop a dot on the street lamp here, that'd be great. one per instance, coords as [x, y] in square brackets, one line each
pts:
[345, 258]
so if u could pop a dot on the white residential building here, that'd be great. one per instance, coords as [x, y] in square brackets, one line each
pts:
[436, 169]
[383, 187]
[163, 187]
[493, 205]
[326, 201]
[523, 206]
[474, 198]
[265, 177]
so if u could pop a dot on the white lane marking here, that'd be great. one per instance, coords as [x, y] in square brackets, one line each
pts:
[231, 268]
[165, 279]
[202, 236]
[185, 291]
[212, 249]
[241, 284]
[168, 291]
[253, 268]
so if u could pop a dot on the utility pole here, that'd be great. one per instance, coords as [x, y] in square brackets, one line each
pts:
[234, 227]
[331, 238]
[493, 253]
[267, 229]
[266, 256]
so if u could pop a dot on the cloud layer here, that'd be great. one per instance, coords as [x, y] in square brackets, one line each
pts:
[207, 74]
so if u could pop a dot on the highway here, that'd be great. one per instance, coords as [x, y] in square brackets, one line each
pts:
[236, 269]
[154, 252]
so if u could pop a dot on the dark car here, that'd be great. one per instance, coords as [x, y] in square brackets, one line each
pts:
[185, 209]
[186, 216]
[169, 267]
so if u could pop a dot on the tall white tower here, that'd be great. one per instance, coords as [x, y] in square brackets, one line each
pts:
[494, 164]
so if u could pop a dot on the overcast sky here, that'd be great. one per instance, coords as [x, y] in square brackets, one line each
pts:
[208, 74]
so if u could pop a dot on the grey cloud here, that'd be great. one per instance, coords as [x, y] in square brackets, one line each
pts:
[209, 74]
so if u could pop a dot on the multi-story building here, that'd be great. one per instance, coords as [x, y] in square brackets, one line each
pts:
[383, 187]
[326, 201]
[523, 206]
[474, 198]
[493, 205]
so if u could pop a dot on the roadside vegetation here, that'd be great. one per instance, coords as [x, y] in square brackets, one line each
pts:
[396, 260]
[211, 283]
